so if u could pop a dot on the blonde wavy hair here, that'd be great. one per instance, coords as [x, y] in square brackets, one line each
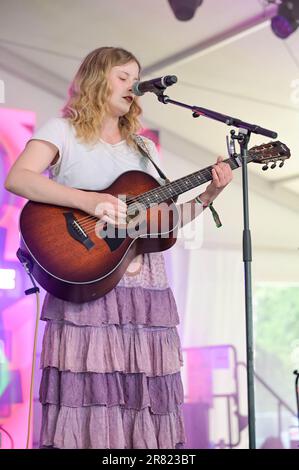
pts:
[89, 91]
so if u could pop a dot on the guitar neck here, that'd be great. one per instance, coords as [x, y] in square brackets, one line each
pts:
[182, 185]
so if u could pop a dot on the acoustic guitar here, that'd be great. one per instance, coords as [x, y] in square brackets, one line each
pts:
[74, 259]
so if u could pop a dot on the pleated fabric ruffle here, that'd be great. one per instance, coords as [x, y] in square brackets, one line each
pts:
[155, 307]
[111, 367]
[154, 351]
[133, 391]
[101, 427]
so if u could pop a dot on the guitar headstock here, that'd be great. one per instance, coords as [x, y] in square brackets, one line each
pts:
[270, 153]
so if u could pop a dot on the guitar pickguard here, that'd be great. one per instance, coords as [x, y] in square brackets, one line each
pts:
[114, 236]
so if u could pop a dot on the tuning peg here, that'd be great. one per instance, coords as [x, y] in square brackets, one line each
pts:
[265, 167]
[273, 166]
[281, 164]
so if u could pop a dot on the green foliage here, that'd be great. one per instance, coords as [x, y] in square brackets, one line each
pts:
[277, 321]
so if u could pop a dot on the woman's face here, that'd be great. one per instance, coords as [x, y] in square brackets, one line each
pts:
[121, 79]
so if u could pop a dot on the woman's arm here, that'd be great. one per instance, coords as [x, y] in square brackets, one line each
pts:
[222, 176]
[25, 179]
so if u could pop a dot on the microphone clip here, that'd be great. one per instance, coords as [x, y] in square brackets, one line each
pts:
[161, 97]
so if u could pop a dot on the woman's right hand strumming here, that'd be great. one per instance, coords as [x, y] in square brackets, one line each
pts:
[106, 207]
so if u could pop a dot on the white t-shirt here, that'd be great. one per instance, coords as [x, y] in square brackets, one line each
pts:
[92, 167]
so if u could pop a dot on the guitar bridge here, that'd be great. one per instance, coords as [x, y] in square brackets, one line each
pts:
[76, 231]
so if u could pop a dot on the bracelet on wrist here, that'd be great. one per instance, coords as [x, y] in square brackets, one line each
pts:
[199, 201]
[212, 209]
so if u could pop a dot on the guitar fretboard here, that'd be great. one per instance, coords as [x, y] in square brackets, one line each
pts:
[175, 188]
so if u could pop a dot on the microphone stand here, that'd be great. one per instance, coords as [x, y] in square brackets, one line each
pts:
[243, 137]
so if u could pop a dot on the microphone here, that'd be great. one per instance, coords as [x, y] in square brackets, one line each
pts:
[154, 85]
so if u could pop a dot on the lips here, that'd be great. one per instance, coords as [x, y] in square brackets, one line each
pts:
[129, 99]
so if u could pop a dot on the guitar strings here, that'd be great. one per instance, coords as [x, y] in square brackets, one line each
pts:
[88, 221]
[205, 172]
[145, 198]
[92, 226]
[86, 218]
[136, 200]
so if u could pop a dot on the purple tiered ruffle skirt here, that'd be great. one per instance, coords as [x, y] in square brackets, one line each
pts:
[111, 367]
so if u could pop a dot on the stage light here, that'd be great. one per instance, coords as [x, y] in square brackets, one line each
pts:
[184, 10]
[286, 21]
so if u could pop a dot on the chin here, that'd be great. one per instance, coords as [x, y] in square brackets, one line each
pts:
[120, 112]
[124, 112]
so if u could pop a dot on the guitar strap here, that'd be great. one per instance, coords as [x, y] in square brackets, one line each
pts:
[145, 152]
